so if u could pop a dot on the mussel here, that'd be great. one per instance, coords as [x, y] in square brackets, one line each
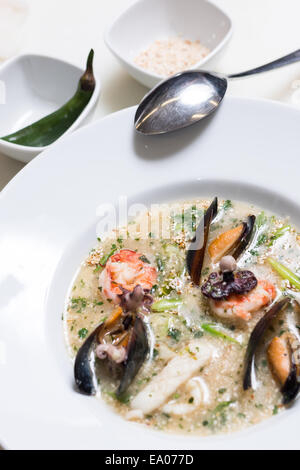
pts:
[233, 241]
[83, 372]
[245, 237]
[291, 387]
[284, 364]
[196, 252]
[120, 343]
[137, 352]
[255, 339]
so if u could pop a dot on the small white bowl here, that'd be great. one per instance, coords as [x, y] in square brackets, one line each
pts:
[31, 87]
[146, 21]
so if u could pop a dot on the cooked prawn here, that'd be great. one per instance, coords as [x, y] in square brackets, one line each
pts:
[242, 306]
[126, 269]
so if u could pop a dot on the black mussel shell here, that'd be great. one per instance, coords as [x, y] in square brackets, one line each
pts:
[245, 237]
[196, 252]
[291, 387]
[137, 351]
[221, 286]
[256, 337]
[83, 372]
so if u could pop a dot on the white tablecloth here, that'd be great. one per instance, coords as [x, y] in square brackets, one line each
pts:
[263, 30]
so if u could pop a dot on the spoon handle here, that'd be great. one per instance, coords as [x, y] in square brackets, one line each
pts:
[286, 60]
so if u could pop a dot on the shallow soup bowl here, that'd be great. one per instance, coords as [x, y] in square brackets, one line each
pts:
[57, 204]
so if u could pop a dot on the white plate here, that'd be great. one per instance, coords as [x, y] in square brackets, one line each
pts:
[31, 87]
[146, 21]
[48, 223]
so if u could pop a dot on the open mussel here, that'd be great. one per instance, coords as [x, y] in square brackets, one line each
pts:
[245, 237]
[282, 356]
[233, 241]
[83, 372]
[196, 252]
[256, 337]
[120, 343]
[136, 355]
[291, 387]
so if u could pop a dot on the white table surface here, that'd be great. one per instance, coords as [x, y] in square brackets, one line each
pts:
[263, 30]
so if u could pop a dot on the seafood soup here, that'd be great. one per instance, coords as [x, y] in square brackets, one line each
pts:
[187, 319]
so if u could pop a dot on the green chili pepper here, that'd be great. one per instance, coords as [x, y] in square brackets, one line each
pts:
[285, 273]
[213, 330]
[51, 127]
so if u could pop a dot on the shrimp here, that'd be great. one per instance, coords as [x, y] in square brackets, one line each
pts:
[126, 269]
[242, 306]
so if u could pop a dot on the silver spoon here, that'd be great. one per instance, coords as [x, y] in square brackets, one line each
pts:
[190, 96]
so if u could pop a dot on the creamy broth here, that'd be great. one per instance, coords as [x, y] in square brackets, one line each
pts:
[211, 399]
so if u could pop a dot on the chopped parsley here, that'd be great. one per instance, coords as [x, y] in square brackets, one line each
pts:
[261, 239]
[144, 259]
[261, 220]
[174, 333]
[160, 264]
[155, 353]
[82, 333]
[227, 205]
[120, 240]
[78, 303]
[187, 220]
[218, 415]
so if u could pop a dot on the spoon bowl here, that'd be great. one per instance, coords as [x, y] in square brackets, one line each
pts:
[180, 101]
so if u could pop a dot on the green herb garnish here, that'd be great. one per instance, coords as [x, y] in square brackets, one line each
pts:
[164, 305]
[279, 233]
[227, 205]
[214, 330]
[105, 258]
[78, 302]
[174, 333]
[144, 259]
[285, 273]
[82, 333]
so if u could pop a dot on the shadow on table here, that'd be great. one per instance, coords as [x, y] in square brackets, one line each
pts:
[8, 169]
[122, 91]
[162, 146]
